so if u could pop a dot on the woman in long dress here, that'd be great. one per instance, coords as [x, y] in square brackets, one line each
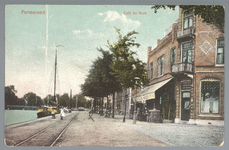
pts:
[62, 114]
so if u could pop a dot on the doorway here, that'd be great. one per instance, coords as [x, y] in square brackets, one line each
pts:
[185, 105]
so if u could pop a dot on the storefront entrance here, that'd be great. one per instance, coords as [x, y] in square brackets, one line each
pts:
[185, 105]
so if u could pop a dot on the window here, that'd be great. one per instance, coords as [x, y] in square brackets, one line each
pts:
[151, 70]
[188, 19]
[187, 52]
[210, 97]
[220, 52]
[173, 55]
[160, 66]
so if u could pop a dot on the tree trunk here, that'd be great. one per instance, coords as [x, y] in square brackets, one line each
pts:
[169, 112]
[102, 103]
[94, 105]
[107, 102]
[113, 105]
[125, 99]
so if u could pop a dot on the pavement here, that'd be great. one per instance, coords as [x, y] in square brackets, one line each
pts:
[18, 132]
[83, 131]
[182, 135]
[103, 132]
[113, 132]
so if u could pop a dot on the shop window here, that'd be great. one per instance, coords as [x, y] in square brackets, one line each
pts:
[160, 66]
[187, 52]
[151, 70]
[220, 52]
[210, 97]
[188, 19]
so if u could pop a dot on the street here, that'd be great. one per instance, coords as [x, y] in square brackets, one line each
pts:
[83, 131]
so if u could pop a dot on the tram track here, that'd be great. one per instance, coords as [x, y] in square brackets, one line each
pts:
[46, 134]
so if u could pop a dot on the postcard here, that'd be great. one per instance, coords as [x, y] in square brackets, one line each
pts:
[114, 75]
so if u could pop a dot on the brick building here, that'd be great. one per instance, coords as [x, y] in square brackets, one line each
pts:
[187, 67]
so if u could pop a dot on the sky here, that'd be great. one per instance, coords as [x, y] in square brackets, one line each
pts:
[75, 32]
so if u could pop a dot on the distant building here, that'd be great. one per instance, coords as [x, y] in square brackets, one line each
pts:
[187, 67]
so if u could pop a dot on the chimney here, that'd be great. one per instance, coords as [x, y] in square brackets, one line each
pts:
[149, 49]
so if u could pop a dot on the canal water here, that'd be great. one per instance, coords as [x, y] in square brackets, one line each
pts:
[18, 116]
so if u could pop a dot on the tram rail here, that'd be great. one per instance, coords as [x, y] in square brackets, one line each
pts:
[28, 141]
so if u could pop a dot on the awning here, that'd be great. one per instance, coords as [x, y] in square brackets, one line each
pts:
[149, 92]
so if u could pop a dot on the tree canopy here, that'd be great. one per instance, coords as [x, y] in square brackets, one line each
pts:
[100, 82]
[212, 14]
[32, 99]
[125, 66]
[10, 97]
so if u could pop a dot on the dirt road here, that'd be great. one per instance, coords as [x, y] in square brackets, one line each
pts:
[103, 132]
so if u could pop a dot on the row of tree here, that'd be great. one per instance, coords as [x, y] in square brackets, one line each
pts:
[117, 70]
[31, 99]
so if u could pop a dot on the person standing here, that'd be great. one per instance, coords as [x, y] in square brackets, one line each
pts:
[62, 114]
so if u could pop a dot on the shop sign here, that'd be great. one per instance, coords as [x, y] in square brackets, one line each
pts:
[146, 97]
[186, 85]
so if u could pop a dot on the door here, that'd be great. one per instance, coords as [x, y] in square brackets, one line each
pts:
[185, 105]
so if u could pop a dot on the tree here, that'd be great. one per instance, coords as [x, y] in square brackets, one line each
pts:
[109, 81]
[64, 100]
[125, 66]
[100, 81]
[39, 101]
[213, 14]
[10, 96]
[81, 101]
[88, 104]
[31, 98]
[48, 98]
[21, 101]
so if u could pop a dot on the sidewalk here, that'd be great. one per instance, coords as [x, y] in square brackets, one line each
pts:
[180, 134]
[113, 132]
[104, 132]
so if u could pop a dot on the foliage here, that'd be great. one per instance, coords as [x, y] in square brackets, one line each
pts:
[21, 101]
[64, 100]
[168, 109]
[101, 82]
[88, 104]
[31, 99]
[39, 101]
[213, 14]
[109, 81]
[10, 97]
[125, 66]
[48, 98]
[92, 86]
[82, 102]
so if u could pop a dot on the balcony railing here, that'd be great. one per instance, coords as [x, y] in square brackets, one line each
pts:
[182, 67]
[185, 33]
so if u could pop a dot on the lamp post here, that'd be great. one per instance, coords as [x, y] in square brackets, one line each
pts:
[135, 102]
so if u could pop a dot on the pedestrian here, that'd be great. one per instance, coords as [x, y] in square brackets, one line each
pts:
[62, 114]
[146, 114]
[138, 114]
